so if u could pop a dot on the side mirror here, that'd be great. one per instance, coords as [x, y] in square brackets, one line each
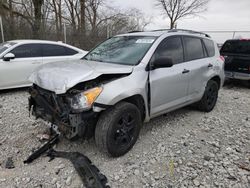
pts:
[8, 57]
[162, 62]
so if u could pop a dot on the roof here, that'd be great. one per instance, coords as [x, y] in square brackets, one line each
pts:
[24, 41]
[33, 41]
[144, 33]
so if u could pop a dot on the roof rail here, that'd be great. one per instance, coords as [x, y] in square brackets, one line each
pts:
[189, 31]
[161, 30]
[134, 31]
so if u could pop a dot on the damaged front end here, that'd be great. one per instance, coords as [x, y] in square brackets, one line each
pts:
[71, 112]
[57, 110]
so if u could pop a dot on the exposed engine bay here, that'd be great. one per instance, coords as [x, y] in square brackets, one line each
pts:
[63, 110]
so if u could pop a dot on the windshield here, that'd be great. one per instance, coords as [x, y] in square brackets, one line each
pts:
[236, 47]
[127, 50]
[4, 46]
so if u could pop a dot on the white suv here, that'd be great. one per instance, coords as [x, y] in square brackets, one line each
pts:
[19, 58]
[125, 81]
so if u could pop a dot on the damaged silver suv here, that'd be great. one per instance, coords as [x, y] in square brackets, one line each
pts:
[125, 81]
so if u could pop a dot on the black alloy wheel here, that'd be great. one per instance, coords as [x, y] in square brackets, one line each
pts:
[118, 128]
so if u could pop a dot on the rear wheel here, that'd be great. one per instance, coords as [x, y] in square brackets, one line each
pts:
[209, 99]
[247, 83]
[118, 129]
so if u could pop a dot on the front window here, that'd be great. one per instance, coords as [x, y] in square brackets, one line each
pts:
[126, 50]
[4, 46]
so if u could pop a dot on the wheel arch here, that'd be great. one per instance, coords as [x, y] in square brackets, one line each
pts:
[139, 102]
[217, 79]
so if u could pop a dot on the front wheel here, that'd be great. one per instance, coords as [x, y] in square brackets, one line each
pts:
[209, 99]
[118, 129]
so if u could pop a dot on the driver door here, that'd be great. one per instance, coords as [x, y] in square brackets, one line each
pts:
[169, 86]
[15, 72]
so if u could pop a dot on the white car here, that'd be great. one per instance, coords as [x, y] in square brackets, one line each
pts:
[19, 58]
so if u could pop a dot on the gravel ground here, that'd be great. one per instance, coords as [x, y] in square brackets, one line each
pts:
[185, 148]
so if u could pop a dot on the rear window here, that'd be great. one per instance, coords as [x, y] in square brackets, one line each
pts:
[210, 47]
[236, 47]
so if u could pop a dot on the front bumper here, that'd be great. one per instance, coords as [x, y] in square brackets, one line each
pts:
[68, 123]
[237, 75]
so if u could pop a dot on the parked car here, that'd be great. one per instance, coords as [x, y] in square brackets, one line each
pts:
[237, 59]
[125, 81]
[19, 58]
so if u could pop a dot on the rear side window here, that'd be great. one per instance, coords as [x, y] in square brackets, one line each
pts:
[57, 50]
[27, 50]
[210, 47]
[70, 51]
[236, 47]
[194, 48]
[171, 48]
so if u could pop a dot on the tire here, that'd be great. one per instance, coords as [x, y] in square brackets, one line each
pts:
[247, 83]
[118, 129]
[210, 96]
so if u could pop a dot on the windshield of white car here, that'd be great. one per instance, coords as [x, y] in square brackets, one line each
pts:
[126, 50]
[4, 46]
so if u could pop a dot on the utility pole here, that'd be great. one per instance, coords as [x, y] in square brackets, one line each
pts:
[65, 33]
[234, 34]
[1, 27]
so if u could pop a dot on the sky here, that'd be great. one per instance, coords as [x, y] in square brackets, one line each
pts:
[221, 15]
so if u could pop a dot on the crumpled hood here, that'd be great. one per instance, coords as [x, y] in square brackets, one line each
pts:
[61, 76]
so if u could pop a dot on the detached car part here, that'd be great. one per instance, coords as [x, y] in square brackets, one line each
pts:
[46, 147]
[89, 173]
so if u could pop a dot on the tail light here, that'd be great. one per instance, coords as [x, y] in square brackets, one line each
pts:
[222, 58]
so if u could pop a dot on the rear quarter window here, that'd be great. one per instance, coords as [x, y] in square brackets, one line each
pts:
[57, 50]
[209, 44]
[70, 51]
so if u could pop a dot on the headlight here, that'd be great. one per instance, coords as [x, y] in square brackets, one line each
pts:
[83, 101]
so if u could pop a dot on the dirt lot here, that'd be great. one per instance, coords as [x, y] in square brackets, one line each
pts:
[185, 148]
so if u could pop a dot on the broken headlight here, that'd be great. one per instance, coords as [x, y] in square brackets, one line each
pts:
[84, 100]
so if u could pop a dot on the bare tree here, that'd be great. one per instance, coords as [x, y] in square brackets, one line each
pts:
[37, 17]
[56, 6]
[177, 9]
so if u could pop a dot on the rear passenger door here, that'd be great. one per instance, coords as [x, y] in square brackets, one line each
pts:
[198, 64]
[54, 52]
[169, 86]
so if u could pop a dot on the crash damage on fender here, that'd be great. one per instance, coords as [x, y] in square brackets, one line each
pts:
[64, 94]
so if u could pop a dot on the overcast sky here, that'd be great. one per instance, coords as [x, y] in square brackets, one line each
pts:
[221, 15]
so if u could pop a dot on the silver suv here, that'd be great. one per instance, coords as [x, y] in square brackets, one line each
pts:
[125, 81]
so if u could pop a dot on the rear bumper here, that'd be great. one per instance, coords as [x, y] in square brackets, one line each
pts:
[237, 75]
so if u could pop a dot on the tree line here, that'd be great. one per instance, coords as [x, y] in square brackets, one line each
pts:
[87, 22]
[84, 23]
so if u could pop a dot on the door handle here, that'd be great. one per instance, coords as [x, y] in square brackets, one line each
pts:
[185, 71]
[210, 65]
